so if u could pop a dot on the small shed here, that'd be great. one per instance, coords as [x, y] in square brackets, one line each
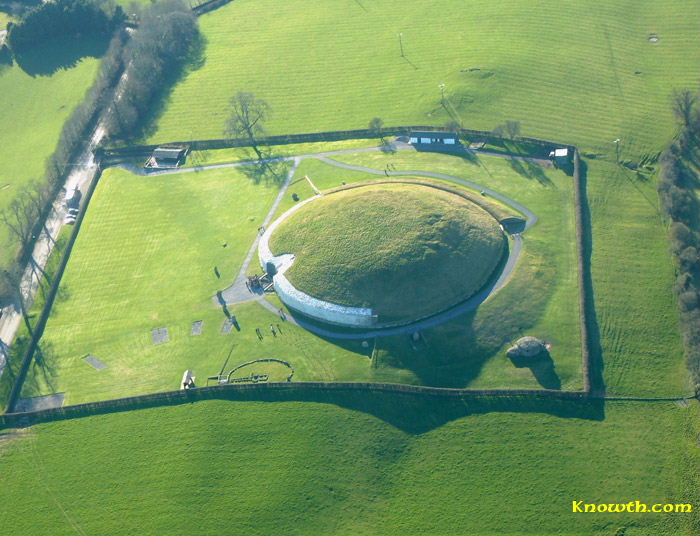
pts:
[434, 138]
[561, 156]
[167, 157]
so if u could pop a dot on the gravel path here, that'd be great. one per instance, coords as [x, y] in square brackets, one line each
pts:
[469, 305]
[238, 292]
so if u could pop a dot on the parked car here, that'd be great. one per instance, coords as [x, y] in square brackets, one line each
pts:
[69, 219]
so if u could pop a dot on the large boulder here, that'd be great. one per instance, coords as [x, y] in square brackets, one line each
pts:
[527, 347]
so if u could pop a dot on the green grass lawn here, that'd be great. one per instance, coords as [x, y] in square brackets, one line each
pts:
[33, 109]
[404, 250]
[238, 154]
[168, 233]
[336, 65]
[632, 271]
[541, 298]
[371, 465]
[633, 276]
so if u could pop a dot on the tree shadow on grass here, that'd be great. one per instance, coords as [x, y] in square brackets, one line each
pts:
[269, 171]
[60, 54]
[529, 170]
[149, 122]
[42, 372]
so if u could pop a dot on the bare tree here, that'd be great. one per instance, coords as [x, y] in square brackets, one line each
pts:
[683, 106]
[512, 128]
[248, 115]
[375, 126]
[13, 281]
[19, 219]
[453, 126]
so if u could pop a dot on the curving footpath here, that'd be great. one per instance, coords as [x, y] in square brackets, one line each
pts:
[466, 306]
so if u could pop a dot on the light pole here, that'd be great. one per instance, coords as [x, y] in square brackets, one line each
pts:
[617, 150]
[401, 43]
[442, 93]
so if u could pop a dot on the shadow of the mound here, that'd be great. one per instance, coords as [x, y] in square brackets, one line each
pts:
[417, 414]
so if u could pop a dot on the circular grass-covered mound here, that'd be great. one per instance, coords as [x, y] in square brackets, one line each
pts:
[404, 250]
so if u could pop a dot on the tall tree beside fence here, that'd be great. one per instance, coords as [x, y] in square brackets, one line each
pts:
[156, 55]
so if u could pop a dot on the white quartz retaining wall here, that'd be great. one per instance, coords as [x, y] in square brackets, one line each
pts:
[325, 311]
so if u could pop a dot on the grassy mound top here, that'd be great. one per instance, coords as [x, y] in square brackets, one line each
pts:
[404, 250]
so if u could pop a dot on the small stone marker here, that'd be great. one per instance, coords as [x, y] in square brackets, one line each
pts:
[160, 335]
[226, 328]
[197, 327]
[94, 362]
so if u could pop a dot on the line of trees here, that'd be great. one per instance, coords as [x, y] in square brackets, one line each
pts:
[64, 18]
[158, 52]
[25, 215]
[678, 192]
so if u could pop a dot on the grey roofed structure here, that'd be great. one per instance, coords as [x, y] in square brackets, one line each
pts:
[167, 157]
[434, 138]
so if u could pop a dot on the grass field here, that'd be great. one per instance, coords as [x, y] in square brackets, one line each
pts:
[574, 67]
[35, 107]
[403, 250]
[633, 276]
[396, 466]
[169, 233]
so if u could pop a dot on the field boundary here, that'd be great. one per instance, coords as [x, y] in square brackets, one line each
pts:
[583, 301]
[586, 313]
[183, 396]
[48, 304]
[331, 135]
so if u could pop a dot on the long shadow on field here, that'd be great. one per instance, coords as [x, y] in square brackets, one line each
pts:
[43, 372]
[595, 351]
[529, 170]
[60, 54]
[268, 171]
[411, 413]
[542, 368]
[417, 414]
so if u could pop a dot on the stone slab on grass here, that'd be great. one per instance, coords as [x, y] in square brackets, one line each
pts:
[160, 335]
[226, 328]
[197, 327]
[94, 362]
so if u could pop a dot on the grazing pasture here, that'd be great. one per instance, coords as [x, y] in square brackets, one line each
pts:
[169, 233]
[361, 463]
[577, 72]
[33, 109]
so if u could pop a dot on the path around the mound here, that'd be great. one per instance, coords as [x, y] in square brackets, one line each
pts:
[239, 293]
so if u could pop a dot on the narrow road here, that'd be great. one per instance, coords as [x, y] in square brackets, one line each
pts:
[83, 173]
[81, 176]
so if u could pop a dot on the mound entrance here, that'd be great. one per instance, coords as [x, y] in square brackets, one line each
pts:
[403, 250]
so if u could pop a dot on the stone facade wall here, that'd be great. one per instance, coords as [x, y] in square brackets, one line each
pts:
[325, 311]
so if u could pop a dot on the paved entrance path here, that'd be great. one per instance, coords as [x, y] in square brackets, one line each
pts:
[238, 292]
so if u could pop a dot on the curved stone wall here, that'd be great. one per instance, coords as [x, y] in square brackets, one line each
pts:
[325, 311]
